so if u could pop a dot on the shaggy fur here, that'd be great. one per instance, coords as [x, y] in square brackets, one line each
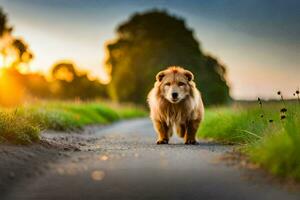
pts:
[183, 113]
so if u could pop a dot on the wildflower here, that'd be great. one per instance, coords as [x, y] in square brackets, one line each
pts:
[259, 101]
[281, 97]
[298, 96]
[283, 110]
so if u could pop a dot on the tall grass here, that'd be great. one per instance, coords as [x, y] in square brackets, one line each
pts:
[279, 150]
[23, 124]
[234, 125]
[270, 135]
[15, 128]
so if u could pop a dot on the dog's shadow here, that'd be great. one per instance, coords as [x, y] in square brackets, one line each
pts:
[202, 144]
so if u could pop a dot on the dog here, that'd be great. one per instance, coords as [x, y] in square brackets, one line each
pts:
[175, 104]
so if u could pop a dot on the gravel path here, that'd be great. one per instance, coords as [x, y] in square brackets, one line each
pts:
[122, 161]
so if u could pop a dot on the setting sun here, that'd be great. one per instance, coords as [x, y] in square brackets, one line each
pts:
[1, 61]
[7, 60]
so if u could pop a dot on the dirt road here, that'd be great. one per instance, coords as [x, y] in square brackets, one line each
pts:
[122, 161]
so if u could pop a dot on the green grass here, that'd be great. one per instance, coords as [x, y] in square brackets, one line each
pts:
[22, 125]
[273, 145]
[16, 129]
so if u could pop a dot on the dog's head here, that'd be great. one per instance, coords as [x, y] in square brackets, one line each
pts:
[175, 83]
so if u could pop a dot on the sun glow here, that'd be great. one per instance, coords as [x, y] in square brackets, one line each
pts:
[7, 61]
[1, 61]
[23, 68]
[11, 90]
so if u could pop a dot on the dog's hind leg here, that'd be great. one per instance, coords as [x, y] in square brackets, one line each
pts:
[162, 130]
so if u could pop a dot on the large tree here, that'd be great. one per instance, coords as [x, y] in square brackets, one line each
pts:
[14, 51]
[148, 43]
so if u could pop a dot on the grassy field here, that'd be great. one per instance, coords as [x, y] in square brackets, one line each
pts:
[269, 134]
[22, 125]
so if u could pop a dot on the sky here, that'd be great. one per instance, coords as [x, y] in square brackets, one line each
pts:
[257, 40]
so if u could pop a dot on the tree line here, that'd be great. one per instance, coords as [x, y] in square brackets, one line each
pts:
[18, 84]
[145, 44]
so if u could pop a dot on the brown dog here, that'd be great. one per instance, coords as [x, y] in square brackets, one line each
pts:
[175, 103]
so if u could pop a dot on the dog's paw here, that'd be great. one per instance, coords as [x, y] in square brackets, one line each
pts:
[191, 141]
[164, 141]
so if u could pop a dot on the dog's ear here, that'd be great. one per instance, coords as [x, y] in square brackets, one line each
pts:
[189, 75]
[160, 76]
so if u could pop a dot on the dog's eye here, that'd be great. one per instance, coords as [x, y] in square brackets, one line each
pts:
[181, 84]
[168, 84]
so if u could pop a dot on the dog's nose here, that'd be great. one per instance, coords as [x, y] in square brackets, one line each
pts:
[174, 95]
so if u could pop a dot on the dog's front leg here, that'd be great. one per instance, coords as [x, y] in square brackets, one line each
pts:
[162, 130]
[190, 135]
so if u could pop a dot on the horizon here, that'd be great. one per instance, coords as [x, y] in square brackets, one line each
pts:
[260, 49]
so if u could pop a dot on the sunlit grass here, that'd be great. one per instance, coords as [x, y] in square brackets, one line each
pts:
[23, 124]
[266, 139]
[14, 128]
